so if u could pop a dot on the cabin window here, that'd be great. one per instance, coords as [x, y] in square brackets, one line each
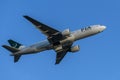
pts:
[85, 29]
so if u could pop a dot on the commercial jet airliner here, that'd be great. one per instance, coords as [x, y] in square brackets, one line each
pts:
[60, 41]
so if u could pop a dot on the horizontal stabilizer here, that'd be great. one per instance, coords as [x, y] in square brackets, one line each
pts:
[11, 49]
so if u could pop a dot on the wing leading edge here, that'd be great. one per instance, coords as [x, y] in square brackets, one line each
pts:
[47, 30]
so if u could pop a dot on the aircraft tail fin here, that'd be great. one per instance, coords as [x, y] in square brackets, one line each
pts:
[15, 44]
[13, 50]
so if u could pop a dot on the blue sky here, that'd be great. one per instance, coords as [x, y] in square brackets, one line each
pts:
[99, 57]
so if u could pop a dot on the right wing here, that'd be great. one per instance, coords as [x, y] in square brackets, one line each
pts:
[47, 30]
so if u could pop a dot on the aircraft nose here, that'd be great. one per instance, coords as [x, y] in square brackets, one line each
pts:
[102, 28]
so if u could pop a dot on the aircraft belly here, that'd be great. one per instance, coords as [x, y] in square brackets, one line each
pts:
[43, 46]
[25, 51]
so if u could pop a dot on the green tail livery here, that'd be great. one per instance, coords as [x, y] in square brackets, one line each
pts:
[14, 47]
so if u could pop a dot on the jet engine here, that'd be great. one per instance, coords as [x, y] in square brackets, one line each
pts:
[66, 32]
[75, 48]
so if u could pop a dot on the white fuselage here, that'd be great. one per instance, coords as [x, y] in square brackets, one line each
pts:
[74, 36]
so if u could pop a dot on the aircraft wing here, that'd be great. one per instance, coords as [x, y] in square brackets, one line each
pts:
[61, 51]
[47, 30]
[60, 55]
[16, 58]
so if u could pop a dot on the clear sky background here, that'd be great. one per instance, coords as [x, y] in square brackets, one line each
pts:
[99, 57]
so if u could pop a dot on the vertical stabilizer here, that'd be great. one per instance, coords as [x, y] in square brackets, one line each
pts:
[15, 44]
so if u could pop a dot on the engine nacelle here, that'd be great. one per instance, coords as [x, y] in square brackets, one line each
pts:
[75, 48]
[66, 32]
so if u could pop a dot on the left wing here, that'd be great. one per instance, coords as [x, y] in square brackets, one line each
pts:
[60, 55]
[16, 58]
[47, 30]
[61, 51]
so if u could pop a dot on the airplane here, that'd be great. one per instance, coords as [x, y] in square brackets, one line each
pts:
[60, 41]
